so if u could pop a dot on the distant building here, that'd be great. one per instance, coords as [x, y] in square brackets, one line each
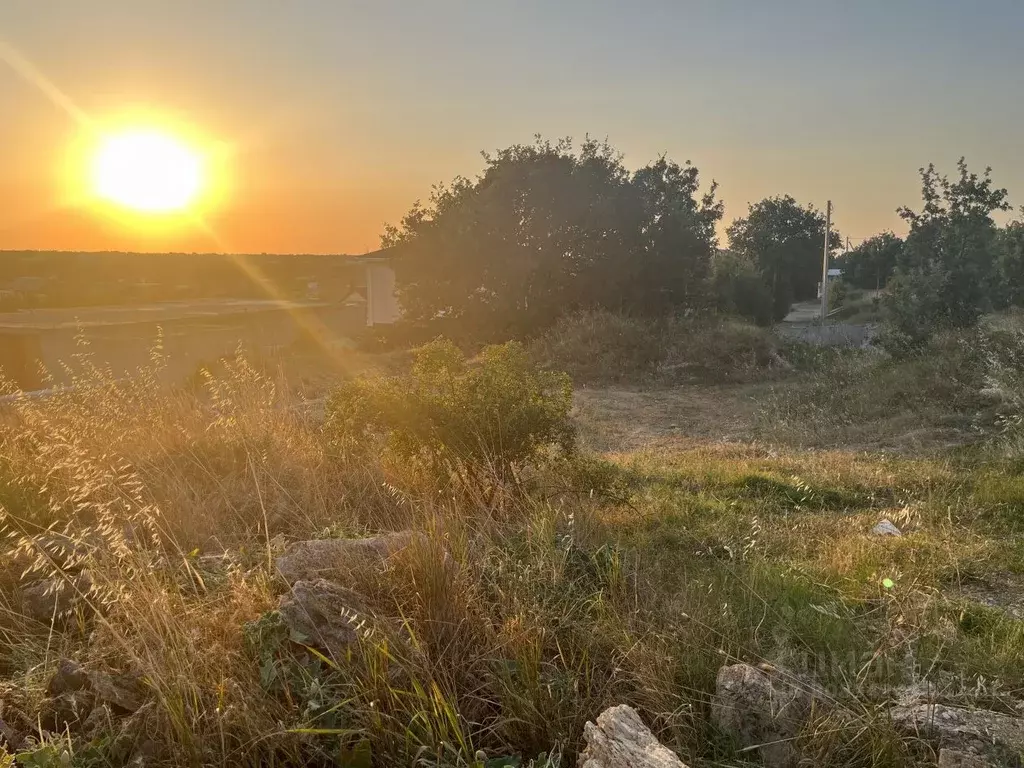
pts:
[381, 300]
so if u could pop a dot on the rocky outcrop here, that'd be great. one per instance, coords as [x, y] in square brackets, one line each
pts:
[323, 615]
[620, 739]
[973, 737]
[764, 709]
[335, 559]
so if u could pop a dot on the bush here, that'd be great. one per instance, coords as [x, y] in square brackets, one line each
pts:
[498, 413]
[602, 347]
[914, 311]
[739, 289]
[838, 292]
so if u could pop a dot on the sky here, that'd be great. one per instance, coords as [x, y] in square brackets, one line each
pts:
[331, 117]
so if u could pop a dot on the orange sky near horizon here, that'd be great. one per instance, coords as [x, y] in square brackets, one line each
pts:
[336, 116]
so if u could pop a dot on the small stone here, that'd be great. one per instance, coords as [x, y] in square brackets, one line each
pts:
[621, 740]
[122, 692]
[52, 600]
[99, 721]
[323, 615]
[69, 676]
[886, 528]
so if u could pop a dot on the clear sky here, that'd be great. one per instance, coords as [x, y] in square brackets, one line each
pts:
[339, 114]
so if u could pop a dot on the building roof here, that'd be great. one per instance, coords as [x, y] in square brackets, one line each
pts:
[373, 257]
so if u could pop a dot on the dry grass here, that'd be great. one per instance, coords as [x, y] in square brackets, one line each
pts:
[628, 579]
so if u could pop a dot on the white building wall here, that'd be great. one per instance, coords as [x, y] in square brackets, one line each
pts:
[381, 303]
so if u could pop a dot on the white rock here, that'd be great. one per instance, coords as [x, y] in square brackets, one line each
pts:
[886, 528]
[621, 740]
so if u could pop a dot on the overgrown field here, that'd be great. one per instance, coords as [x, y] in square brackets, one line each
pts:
[552, 580]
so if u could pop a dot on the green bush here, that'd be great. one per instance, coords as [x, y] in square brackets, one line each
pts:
[838, 292]
[498, 413]
[739, 289]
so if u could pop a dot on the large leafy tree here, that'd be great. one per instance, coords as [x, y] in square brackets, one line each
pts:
[785, 240]
[948, 268]
[547, 228]
[872, 263]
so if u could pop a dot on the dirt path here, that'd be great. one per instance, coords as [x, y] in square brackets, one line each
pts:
[804, 312]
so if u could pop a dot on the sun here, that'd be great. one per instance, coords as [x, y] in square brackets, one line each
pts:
[147, 171]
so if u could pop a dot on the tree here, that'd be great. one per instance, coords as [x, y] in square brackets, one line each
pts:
[872, 263]
[547, 229]
[784, 240]
[947, 270]
[1010, 247]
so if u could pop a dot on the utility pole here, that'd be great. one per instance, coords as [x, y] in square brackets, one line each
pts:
[824, 264]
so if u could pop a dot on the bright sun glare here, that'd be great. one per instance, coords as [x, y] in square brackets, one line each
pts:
[147, 171]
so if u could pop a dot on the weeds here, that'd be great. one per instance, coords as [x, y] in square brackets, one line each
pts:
[601, 347]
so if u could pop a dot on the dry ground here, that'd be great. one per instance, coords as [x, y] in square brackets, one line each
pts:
[616, 419]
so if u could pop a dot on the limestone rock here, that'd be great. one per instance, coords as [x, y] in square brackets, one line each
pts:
[333, 558]
[763, 708]
[621, 740]
[323, 615]
[964, 733]
[123, 692]
[69, 676]
[886, 528]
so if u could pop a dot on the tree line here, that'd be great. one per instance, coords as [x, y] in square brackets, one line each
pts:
[549, 228]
